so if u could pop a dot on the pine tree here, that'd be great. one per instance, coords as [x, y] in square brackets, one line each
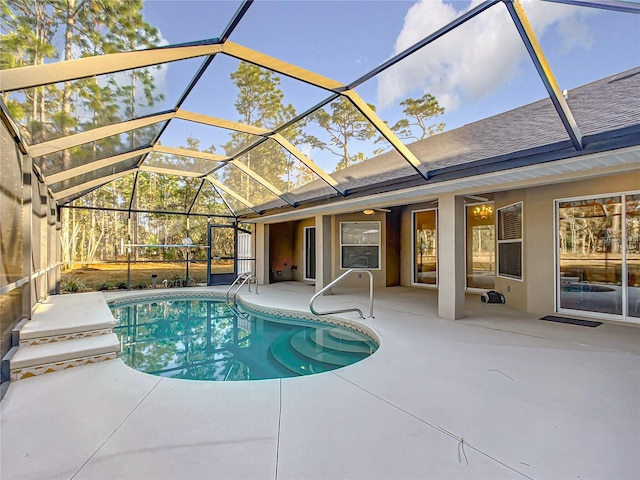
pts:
[344, 124]
[260, 103]
[419, 111]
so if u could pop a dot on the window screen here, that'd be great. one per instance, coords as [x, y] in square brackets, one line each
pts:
[360, 244]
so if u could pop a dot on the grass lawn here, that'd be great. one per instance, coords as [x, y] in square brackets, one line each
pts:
[103, 276]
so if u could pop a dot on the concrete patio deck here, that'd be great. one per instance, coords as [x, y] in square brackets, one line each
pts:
[499, 394]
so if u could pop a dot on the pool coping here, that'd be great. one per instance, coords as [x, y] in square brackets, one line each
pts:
[286, 313]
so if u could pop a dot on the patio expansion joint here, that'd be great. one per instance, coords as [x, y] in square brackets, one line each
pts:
[462, 442]
[115, 430]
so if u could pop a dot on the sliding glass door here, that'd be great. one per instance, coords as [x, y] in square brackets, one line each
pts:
[632, 227]
[309, 253]
[598, 255]
[425, 247]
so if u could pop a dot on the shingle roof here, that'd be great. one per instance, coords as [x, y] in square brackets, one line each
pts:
[605, 109]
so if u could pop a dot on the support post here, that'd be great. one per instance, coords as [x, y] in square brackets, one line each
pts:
[451, 257]
[323, 251]
[262, 253]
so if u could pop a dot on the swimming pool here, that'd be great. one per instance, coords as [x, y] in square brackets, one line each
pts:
[205, 339]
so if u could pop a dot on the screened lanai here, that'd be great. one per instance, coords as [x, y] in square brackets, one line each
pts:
[124, 113]
[147, 123]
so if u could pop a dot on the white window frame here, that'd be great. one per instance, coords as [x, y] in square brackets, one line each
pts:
[414, 248]
[379, 244]
[466, 246]
[520, 241]
[624, 316]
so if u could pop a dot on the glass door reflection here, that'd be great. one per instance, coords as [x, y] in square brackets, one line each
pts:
[590, 254]
[425, 247]
[633, 254]
[481, 255]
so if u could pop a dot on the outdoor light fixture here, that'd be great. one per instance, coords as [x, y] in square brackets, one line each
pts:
[371, 211]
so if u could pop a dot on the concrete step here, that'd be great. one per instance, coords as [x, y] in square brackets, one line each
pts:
[294, 361]
[328, 338]
[31, 360]
[302, 343]
[67, 317]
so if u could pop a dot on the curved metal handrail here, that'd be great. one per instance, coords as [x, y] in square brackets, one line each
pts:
[337, 280]
[245, 277]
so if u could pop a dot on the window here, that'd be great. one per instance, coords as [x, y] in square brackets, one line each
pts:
[360, 245]
[510, 241]
[480, 246]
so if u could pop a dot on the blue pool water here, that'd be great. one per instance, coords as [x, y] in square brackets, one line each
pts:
[207, 340]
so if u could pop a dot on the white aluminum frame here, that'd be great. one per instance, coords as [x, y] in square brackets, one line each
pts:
[379, 244]
[466, 245]
[624, 316]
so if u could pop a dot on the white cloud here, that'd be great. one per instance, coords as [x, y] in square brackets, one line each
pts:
[475, 59]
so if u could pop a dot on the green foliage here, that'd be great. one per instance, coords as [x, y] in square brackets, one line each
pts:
[38, 31]
[419, 112]
[344, 124]
[72, 284]
[260, 103]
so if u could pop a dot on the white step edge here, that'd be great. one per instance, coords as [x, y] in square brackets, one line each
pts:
[29, 356]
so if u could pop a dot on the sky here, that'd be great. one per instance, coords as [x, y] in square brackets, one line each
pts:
[476, 71]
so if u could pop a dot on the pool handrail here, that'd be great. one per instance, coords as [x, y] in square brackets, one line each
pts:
[243, 278]
[345, 310]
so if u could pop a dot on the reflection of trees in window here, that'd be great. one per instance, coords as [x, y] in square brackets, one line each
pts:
[483, 244]
[633, 224]
[590, 226]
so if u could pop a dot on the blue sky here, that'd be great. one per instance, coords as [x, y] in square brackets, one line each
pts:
[478, 71]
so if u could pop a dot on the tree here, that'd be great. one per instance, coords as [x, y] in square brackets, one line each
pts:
[30, 29]
[260, 103]
[344, 124]
[37, 30]
[420, 111]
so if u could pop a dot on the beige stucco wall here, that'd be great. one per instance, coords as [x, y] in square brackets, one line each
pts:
[536, 292]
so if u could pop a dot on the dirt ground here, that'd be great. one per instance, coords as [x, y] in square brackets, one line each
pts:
[104, 276]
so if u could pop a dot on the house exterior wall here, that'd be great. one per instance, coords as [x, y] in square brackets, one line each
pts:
[536, 293]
